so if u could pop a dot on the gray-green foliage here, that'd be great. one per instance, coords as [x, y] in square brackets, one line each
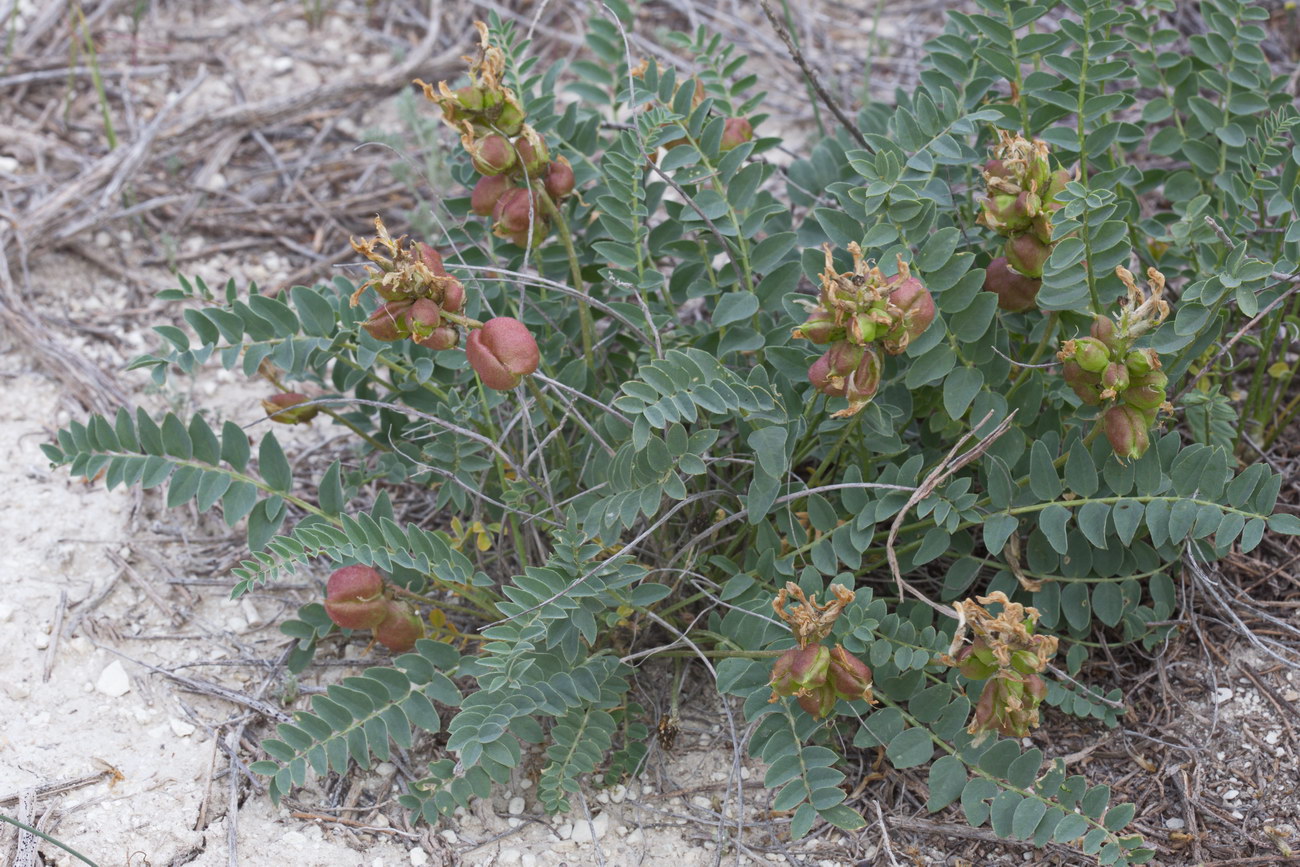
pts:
[695, 441]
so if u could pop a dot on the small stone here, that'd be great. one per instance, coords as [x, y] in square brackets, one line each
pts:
[281, 65]
[1230, 794]
[1237, 814]
[1291, 695]
[602, 797]
[181, 728]
[514, 822]
[717, 777]
[449, 835]
[528, 859]
[385, 769]
[1222, 694]
[418, 857]
[618, 794]
[585, 832]
[525, 784]
[509, 856]
[565, 831]
[516, 806]
[1175, 824]
[621, 830]
[1272, 737]
[380, 821]
[41, 641]
[744, 773]
[702, 802]
[8, 165]
[113, 681]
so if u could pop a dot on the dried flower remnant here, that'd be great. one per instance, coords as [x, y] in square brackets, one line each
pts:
[1008, 656]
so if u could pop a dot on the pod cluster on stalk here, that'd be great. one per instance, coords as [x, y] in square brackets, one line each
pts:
[425, 304]
[1008, 656]
[1019, 201]
[735, 130]
[815, 675]
[519, 183]
[1106, 369]
[858, 314]
[357, 597]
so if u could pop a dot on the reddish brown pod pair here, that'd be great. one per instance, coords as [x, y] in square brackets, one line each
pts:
[356, 597]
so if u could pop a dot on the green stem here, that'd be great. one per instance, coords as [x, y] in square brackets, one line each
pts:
[47, 838]
[575, 269]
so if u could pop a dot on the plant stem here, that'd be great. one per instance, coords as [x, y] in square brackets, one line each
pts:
[575, 269]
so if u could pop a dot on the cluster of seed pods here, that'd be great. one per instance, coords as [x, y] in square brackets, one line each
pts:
[858, 314]
[1106, 369]
[356, 597]
[1008, 655]
[1019, 203]
[519, 183]
[425, 304]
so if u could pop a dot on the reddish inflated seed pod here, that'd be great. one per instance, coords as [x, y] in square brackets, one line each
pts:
[1115, 377]
[820, 328]
[502, 352]
[1027, 254]
[1084, 383]
[735, 132]
[819, 702]
[453, 296]
[280, 408]
[1016, 292]
[843, 357]
[800, 668]
[996, 168]
[559, 179]
[492, 155]
[819, 374]
[432, 259]
[849, 676]
[1126, 428]
[442, 337]
[1103, 329]
[863, 383]
[512, 211]
[400, 628]
[388, 322]
[911, 306]
[487, 192]
[424, 316]
[1140, 361]
[533, 155]
[354, 598]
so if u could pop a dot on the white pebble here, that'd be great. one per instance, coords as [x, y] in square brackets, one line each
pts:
[508, 856]
[449, 835]
[1237, 814]
[528, 860]
[585, 832]
[181, 728]
[1271, 737]
[419, 857]
[565, 831]
[702, 802]
[385, 769]
[1230, 794]
[8, 165]
[1222, 694]
[42, 641]
[525, 784]
[1175, 824]
[514, 822]
[282, 65]
[113, 681]
[618, 794]
[516, 806]
[602, 797]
